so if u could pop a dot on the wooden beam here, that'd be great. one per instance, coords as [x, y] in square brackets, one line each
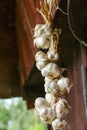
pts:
[9, 79]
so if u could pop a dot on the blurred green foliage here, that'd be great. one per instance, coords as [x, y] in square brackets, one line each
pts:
[15, 116]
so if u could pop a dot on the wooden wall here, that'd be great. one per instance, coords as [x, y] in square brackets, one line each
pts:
[9, 79]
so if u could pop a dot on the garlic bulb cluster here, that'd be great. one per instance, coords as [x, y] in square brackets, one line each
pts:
[53, 108]
[58, 124]
[42, 35]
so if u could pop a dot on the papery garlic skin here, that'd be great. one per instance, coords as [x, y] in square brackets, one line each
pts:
[51, 70]
[47, 79]
[58, 124]
[41, 56]
[53, 56]
[42, 34]
[42, 42]
[47, 114]
[41, 102]
[51, 87]
[42, 29]
[50, 98]
[64, 85]
[41, 60]
[41, 64]
[62, 108]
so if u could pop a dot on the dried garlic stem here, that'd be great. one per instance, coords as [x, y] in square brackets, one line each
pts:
[44, 11]
[51, 5]
[54, 41]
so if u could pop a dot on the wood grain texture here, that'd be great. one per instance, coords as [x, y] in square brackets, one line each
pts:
[9, 79]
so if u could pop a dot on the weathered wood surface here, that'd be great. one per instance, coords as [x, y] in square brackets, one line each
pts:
[71, 56]
[9, 81]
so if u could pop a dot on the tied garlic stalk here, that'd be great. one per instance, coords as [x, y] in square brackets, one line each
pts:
[53, 108]
[53, 49]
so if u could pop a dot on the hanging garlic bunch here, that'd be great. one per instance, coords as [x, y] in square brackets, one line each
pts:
[53, 108]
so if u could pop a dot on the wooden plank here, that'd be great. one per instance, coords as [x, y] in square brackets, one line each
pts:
[9, 80]
[25, 40]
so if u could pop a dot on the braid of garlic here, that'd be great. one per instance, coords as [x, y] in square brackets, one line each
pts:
[53, 108]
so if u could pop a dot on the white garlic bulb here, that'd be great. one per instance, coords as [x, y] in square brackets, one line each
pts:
[42, 29]
[47, 79]
[51, 87]
[62, 108]
[42, 42]
[64, 85]
[41, 56]
[41, 64]
[51, 70]
[41, 60]
[41, 102]
[47, 114]
[58, 124]
[50, 98]
[53, 56]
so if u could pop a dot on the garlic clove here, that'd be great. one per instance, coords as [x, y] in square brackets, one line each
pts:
[47, 114]
[41, 56]
[62, 108]
[50, 98]
[51, 87]
[41, 29]
[64, 85]
[41, 102]
[53, 56]
[37, 30]
[41, 64]
[58, 124]
[51, 70]
[42, 42]
[47, 79]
